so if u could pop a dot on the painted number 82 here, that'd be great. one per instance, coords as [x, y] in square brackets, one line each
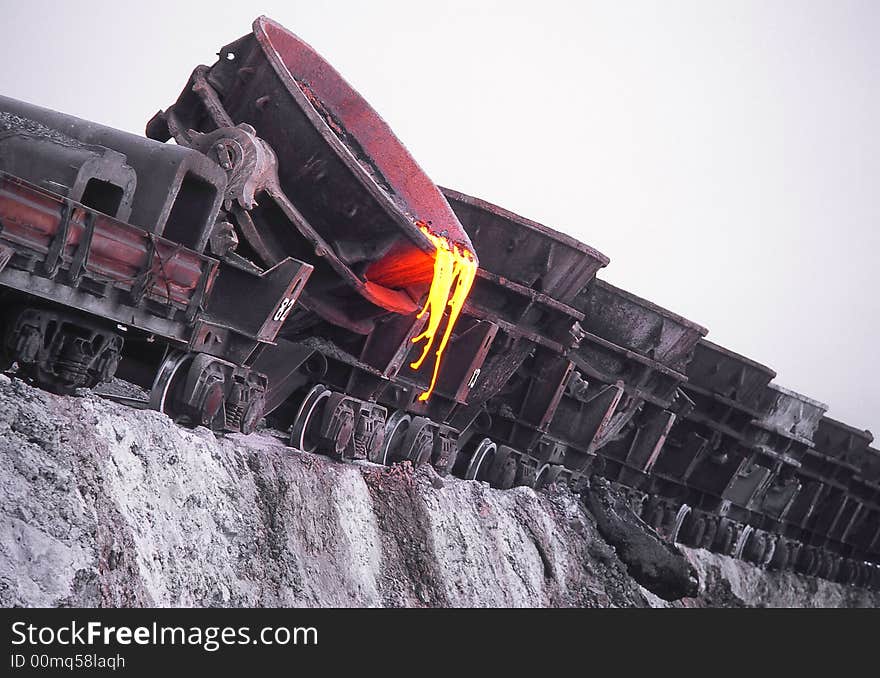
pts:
[283, 310]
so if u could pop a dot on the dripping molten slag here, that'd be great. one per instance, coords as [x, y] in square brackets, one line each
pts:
[454, 272]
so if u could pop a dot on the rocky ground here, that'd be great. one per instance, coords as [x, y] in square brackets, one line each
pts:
[103, 505]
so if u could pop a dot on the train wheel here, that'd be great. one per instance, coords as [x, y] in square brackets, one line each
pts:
[780, 557]
[395, 431]
[710, 533]
[540, 476]
[677, 524]
[852, 574]
[807, 561]
[726, 540]
[169, 379]
[801, 563]
[834, 570]
[817, 563]
[827, 565]
[304, 435]
[821, 564]
[861, 574]
[502, 470]
[744, 538]
[694, 530]
[754, 548]
[191, 388]
[481, 460]
[847, 573]
[872, 576]
[548, 475]
[419, 441]
[770, 549]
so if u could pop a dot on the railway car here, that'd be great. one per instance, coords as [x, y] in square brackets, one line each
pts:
[526, 284]
[348, 197]
[640, 351]
[707, 462]
[108, 262]
[824, 512]
[783, 435]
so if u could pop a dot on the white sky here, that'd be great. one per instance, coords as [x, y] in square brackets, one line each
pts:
[725, 155]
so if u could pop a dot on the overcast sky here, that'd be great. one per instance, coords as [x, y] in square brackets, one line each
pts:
[725, 155]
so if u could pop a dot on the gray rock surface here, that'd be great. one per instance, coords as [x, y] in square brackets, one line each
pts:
[727, 582]
[103, 505]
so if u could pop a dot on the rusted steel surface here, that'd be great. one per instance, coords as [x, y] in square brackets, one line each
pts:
[115, 253]
[346, 195]
[346, 182]
[840, 443]
[638, 325]
[782, 436]
[728, 377]
[863, 532]
[869, 470]
[42, 155]
[630, 347]
[803, 506]
[790, 414]
[528, 274]
[178, 191]
[713, 438]
[834, 464]
[469, 346]
[709, 458]
[119, 231]
[525, 251]
[633, 346]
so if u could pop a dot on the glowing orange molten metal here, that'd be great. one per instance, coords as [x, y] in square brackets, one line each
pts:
[454, 272]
